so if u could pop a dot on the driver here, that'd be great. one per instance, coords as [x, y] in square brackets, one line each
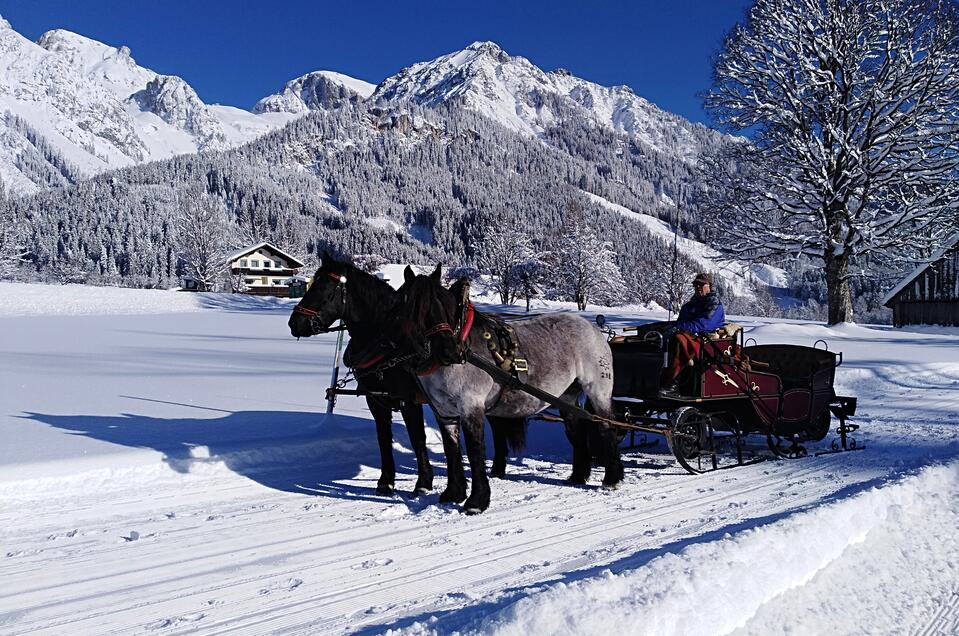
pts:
[701, 314]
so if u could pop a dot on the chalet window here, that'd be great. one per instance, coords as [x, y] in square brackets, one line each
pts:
[255, 263]
[267, 264]
[276, 281]
[243, 262]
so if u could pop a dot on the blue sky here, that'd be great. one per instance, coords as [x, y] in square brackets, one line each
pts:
[237, 52]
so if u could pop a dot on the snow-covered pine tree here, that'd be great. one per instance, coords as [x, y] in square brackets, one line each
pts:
[12, 250]
[369, 263]
[203, 232]
[586, 268]
[850, 106]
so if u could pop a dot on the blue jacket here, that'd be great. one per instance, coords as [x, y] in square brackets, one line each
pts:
[701, 314]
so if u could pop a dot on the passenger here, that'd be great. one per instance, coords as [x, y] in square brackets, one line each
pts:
[701, 314]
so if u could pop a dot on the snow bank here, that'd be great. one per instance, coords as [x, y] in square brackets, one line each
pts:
[23, 299]
[716, 587]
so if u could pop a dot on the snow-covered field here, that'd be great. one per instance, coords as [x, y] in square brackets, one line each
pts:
[166, 467]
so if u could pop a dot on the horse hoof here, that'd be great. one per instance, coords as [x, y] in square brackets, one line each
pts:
[420, 490]
[575, 480]
[614, 486]
[452, 497]
[498, 474]
[384, 489]
[475, 505]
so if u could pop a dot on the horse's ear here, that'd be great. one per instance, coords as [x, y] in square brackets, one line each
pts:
[408, 274]
[437, 275]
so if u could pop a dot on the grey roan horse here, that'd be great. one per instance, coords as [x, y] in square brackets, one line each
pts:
[565, 354]
[365, 304]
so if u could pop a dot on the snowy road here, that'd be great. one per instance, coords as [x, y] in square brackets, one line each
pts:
[170, 472]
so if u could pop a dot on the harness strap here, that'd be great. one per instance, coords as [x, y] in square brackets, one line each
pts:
[438, 328]
[467, 322]
[299, 309]
[369, 363]
[464, 332]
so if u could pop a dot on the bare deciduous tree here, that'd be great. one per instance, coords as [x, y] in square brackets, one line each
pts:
[498, 254]
[586, 268]
[852, 110]
[203, 236]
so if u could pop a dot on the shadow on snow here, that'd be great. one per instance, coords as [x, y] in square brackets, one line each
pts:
[291, 451]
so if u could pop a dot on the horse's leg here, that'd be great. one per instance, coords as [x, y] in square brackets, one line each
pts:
[509, 433]
[598, 395]
[578, 435]
[498, 426]
[476, 451]
[383, 416]
[456, 478]
[612, 461]
[413, 416]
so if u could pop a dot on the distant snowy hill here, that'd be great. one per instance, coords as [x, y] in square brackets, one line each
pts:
[740, 276]
[71, 107]
[522, 97]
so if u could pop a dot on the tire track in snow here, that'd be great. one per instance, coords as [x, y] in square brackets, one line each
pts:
[596, 506]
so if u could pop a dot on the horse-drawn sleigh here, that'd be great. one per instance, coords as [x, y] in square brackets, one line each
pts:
[731, 391]
[468, 365]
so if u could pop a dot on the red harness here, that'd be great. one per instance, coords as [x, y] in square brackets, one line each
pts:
[464, 334]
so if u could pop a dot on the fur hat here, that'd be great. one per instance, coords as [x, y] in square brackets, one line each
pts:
[703, 278]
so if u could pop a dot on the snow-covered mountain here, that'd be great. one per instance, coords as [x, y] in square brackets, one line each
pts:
[315, 91]
[71, 107]
[521, 96]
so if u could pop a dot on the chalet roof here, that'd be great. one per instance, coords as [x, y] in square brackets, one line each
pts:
[919, 270]
[295, 262]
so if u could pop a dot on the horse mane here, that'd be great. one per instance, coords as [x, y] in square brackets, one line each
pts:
[367, 284]
[423, 291]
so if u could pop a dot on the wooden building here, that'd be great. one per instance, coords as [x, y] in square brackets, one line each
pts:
[930, 294]
[264, 269]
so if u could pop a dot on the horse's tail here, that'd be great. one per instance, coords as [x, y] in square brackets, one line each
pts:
[513, 429]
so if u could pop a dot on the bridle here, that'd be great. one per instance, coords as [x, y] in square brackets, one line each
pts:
[314, 315]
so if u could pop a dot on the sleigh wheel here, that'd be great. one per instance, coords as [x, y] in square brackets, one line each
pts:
[819, 428]
[687, 438]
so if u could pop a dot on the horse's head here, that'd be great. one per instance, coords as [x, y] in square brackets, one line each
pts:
[324, 302]
[428, 316]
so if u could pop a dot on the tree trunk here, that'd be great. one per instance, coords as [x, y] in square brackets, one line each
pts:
[837, 288]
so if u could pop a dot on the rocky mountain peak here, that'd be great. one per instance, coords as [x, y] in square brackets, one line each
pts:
[491, 49]
[319, 90]
[521, 96]
[175, 102]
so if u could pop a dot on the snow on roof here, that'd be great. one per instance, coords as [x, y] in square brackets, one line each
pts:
[295, 262]
[915, 273]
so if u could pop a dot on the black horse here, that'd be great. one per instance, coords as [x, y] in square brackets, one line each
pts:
[565, 355]
[366, 304]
